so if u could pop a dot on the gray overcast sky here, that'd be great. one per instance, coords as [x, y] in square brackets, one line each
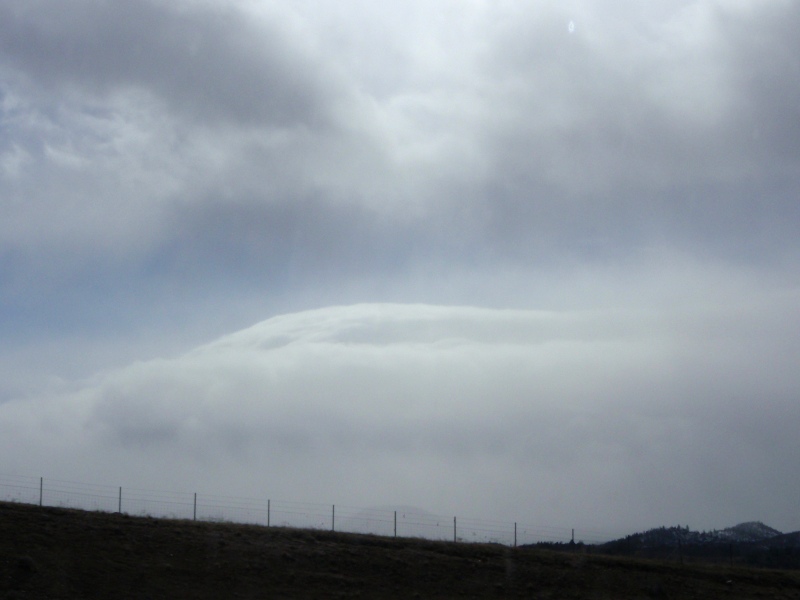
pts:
[518, 259]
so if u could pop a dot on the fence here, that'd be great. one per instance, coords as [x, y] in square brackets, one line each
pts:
[305, 515]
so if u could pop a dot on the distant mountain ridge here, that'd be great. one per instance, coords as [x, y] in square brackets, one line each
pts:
[752, 543]
[752, 531]
[749, 532]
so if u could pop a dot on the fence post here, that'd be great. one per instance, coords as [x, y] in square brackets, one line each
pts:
[119, 503]
[333, 517]
[268, 512]
[41, 489]
[515, 534]
[395, 523]
[454, 530]
[194, 514]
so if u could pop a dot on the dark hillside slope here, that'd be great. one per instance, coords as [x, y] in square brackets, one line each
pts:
[747, 544]
[59, 553]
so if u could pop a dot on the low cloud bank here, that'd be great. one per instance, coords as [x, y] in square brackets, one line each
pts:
[596, 418]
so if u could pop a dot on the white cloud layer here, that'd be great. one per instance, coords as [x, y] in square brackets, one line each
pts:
[603, 419]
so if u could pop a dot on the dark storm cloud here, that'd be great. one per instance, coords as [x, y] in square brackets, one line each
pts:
[618, 143]
[666, 126]
[208, 62]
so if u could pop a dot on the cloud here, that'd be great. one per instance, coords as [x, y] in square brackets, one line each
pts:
[607, 419]
[485, 126]
[171, 172]
[182, 54]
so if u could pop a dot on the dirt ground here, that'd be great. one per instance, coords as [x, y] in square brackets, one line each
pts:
[59, 553]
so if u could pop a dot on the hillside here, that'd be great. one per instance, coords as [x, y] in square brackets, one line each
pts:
[753, 531]
[748, 544]
[60, 553]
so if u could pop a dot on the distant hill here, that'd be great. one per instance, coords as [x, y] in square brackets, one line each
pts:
[752, 543]
[752, 531]
[672, 537]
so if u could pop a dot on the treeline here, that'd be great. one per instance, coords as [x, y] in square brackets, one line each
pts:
[679, 544]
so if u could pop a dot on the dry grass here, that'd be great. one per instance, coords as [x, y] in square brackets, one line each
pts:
[59, 553]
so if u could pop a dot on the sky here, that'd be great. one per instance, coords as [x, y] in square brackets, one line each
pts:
[526, 260]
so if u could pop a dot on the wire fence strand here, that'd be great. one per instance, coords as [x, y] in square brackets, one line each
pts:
[268, 512]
